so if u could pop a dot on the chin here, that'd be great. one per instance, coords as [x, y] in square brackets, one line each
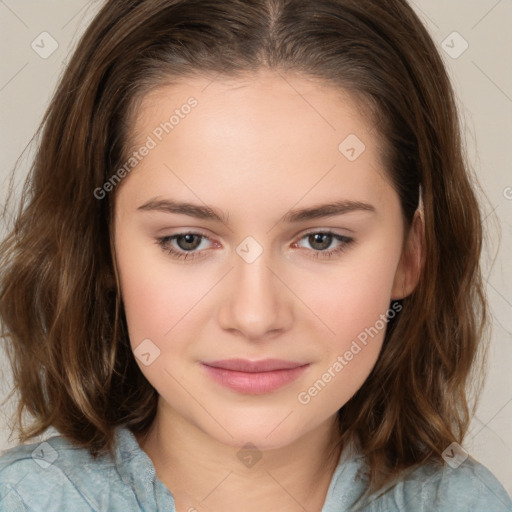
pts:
[264, 431]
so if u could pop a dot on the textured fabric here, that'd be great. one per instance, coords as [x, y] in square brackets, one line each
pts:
[56, 476]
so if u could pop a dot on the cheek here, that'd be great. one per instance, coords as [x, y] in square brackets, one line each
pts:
[158, 296]
[355, 310]
[352, 302]
[352, 296]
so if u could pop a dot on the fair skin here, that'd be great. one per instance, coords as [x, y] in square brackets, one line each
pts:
[254, 150]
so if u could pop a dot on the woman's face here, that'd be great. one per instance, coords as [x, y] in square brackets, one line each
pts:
[295, 252]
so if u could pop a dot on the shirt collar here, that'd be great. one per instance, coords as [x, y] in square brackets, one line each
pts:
[138, 472]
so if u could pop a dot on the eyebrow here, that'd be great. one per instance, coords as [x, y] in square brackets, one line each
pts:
[209, 213]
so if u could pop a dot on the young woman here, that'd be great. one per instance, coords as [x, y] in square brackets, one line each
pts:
[245, 275]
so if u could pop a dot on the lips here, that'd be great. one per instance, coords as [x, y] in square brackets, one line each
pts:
[254, 377]
[244, 365]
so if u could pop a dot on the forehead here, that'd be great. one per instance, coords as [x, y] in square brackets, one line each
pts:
[266, 130]
[268, 102]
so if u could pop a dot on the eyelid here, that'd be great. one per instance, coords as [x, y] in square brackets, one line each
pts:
[310, 231]
[344, 241]
[164, 242]
[327, 231]
[177, 254]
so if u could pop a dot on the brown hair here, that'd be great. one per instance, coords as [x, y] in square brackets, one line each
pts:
[60, 302]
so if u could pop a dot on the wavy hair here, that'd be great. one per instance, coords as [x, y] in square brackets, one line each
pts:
[60, 304]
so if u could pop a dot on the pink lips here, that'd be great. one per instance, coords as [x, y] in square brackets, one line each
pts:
[254, 377]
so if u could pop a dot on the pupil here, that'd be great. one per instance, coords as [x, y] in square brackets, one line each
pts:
[188, 241]
[317, 238]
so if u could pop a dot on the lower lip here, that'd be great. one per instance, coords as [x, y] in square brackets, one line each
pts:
[254, 383]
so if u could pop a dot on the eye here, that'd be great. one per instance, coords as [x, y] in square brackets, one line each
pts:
[320, 241]
[189, 245]
[185, 245]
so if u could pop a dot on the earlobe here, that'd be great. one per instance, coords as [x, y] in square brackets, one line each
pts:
[411, 262]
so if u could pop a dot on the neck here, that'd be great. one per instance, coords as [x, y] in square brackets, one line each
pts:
[204, 474]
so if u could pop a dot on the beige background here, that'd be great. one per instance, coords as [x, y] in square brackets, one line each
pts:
[482, 75]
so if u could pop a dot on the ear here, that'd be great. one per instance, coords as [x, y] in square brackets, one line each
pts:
[412, 259]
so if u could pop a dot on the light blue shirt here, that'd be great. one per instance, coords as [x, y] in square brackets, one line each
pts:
[56, 476]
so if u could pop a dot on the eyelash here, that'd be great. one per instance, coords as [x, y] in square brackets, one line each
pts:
[163, 243]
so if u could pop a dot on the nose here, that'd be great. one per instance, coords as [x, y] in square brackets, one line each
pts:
[258, 306]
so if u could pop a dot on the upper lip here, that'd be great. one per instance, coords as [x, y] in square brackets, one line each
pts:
[245, 365]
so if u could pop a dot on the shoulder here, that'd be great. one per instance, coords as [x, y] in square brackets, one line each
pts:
[469, 487]
[53, 475]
